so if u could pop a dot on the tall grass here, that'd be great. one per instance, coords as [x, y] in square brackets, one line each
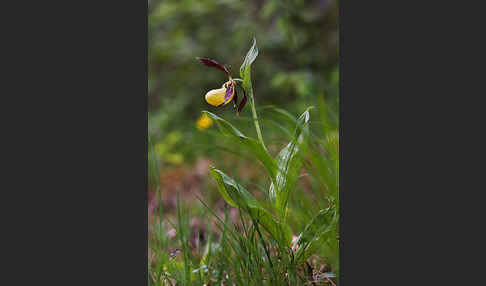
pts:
[290, 237]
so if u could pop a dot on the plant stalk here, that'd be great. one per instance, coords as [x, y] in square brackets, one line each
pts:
[255, 120]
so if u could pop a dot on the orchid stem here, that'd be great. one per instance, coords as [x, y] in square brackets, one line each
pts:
[249, 88]
[255, 120]
[257, 126]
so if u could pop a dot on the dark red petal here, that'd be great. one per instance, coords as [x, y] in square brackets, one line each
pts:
[214, 64]
[235, 99]
[243, 101]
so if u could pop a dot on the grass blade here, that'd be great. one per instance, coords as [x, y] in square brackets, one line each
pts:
[313, 233]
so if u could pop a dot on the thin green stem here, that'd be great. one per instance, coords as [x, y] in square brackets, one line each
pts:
[257, 125]
[255, 120]
[246, 83]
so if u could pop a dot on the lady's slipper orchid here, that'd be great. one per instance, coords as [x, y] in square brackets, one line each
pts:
[227, 92]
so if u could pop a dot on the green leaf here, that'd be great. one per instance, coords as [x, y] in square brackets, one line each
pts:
[236, 195]
[289, 162]
[248, 143]
[246, 75]
[219, 177]
[249, 58]
[314, 234]
[245, 70]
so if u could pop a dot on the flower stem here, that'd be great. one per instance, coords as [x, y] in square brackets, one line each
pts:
[255, 120]
[248, 86]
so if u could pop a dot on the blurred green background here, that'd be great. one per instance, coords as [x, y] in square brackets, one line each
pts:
[297, 64]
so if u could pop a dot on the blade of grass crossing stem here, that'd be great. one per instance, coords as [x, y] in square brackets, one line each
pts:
[289, 161]
[269, 267]
[278, 126]
[287, 117]
[248, 143]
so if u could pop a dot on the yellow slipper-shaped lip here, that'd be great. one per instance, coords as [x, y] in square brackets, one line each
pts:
[221, 96]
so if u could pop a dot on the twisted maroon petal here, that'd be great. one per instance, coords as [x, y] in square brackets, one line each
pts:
[243, 101]
[235, 100]
[214, 64]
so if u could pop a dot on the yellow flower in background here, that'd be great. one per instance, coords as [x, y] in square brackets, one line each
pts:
[204, 122]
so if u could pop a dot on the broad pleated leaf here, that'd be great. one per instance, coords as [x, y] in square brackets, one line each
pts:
[289, 162]
[236, 195]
